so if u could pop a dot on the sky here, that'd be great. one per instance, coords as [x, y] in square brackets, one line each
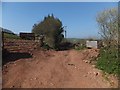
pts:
[60, 0]
[78, 17]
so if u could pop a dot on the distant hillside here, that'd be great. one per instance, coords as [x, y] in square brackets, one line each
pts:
[78, 40]
[75, 40]
[9, 34]
[6, 30]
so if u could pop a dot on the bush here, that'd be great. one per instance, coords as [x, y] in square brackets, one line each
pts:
[46, 46]
[79, 47]
[108, 60]
[65, 45]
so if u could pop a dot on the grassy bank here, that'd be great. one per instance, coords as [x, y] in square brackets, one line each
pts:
[108, 60]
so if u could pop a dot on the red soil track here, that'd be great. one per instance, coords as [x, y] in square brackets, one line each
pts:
[55, 69]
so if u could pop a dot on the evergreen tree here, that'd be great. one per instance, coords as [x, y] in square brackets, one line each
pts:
[52, 30]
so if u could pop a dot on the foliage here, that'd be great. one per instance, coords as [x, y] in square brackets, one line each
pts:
[52, 30]
[80, 47]
[65, 45]
[10, 36]
[108, 24]
[108, 60]
[46, 46]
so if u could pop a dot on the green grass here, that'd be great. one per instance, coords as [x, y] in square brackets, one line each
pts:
[75, 40]
[10, 36]
[79, 47]
[108, 60]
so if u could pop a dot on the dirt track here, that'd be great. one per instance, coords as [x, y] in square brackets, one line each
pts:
[54, 69]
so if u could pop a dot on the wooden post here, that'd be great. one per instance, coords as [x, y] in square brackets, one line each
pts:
[2, 36]
[65, 33]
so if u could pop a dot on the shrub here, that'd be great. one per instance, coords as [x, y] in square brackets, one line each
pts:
[80, 47]
[108, 60]
[65, 45]
[46, 46]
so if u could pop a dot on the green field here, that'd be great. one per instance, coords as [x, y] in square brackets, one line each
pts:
[10, 36]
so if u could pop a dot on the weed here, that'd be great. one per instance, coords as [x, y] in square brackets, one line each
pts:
[108, 60]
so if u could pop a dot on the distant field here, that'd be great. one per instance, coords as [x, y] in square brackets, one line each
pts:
[10, 36]
[76, 40]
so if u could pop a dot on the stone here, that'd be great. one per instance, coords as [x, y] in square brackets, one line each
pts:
[52, 84]
[96, 73]
[71, 64]
[93, 65]
[85, 75]
[86, 61]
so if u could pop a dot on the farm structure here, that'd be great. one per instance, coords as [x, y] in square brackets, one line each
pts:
[94, 44]
[27, 36]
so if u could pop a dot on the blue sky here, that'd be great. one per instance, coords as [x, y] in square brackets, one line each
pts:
[80, 18]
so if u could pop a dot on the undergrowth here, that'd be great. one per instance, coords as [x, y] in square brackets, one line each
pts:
[108, 61]
[79, 47]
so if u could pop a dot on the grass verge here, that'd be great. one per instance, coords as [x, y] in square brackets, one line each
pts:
[108, 61]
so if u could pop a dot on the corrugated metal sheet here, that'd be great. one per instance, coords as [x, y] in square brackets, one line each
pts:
[91, 44]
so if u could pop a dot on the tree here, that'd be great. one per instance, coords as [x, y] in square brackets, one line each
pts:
[52, 30]
[108, 24]
[108, 58]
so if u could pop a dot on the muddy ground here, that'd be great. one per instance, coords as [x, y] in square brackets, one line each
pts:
[55, 69]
